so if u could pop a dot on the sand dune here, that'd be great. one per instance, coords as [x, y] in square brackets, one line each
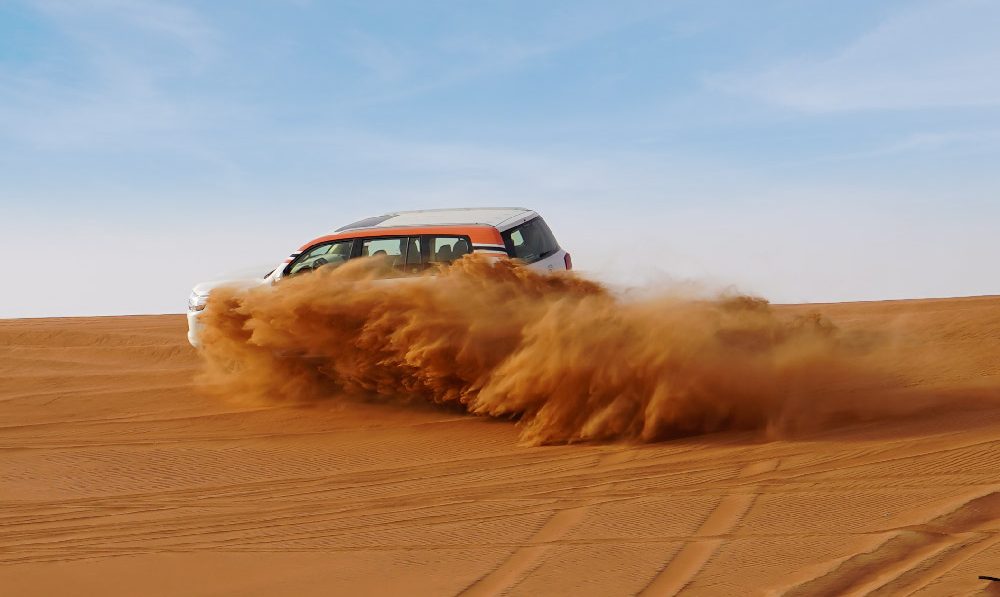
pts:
[119, 477]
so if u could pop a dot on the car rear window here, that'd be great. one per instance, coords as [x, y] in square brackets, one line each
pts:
[531, 241]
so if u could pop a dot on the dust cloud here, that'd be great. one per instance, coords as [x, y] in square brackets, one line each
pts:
[566, 357]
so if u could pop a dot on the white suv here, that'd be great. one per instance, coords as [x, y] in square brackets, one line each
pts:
[412, 241]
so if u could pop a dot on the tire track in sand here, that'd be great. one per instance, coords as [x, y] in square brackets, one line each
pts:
[896, 564]
[732, 508]
[529, 557]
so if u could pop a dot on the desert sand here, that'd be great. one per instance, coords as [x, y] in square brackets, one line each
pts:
[119, 477]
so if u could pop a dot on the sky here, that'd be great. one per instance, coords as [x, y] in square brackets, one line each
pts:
[800, 150]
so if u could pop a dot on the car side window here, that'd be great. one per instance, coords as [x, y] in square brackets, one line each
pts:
[406, 253]
[333, 253]
[392, 250]
[446, 249]
[414, 261]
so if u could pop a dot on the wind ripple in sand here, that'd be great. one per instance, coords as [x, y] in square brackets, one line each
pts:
[134, 483]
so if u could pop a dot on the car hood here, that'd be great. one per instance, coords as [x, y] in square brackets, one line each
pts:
[238, 283]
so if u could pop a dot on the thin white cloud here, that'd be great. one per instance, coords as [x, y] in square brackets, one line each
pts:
[938, 54]
[117, 89]
[170, 22]
[403, 70]
[382, 60]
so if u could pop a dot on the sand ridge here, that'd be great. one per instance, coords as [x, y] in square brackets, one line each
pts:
[119, 477]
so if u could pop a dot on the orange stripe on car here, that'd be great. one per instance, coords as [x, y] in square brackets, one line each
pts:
[479, 235]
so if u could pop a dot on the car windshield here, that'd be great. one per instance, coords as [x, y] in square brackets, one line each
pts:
[326, 254]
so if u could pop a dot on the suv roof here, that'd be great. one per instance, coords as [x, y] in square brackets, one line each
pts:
[490, 216]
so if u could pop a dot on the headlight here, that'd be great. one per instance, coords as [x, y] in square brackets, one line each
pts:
[196, 302]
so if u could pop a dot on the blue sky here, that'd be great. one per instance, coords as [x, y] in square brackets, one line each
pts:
[804, 151]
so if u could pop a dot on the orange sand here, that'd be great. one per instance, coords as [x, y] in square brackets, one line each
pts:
[119, 478]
